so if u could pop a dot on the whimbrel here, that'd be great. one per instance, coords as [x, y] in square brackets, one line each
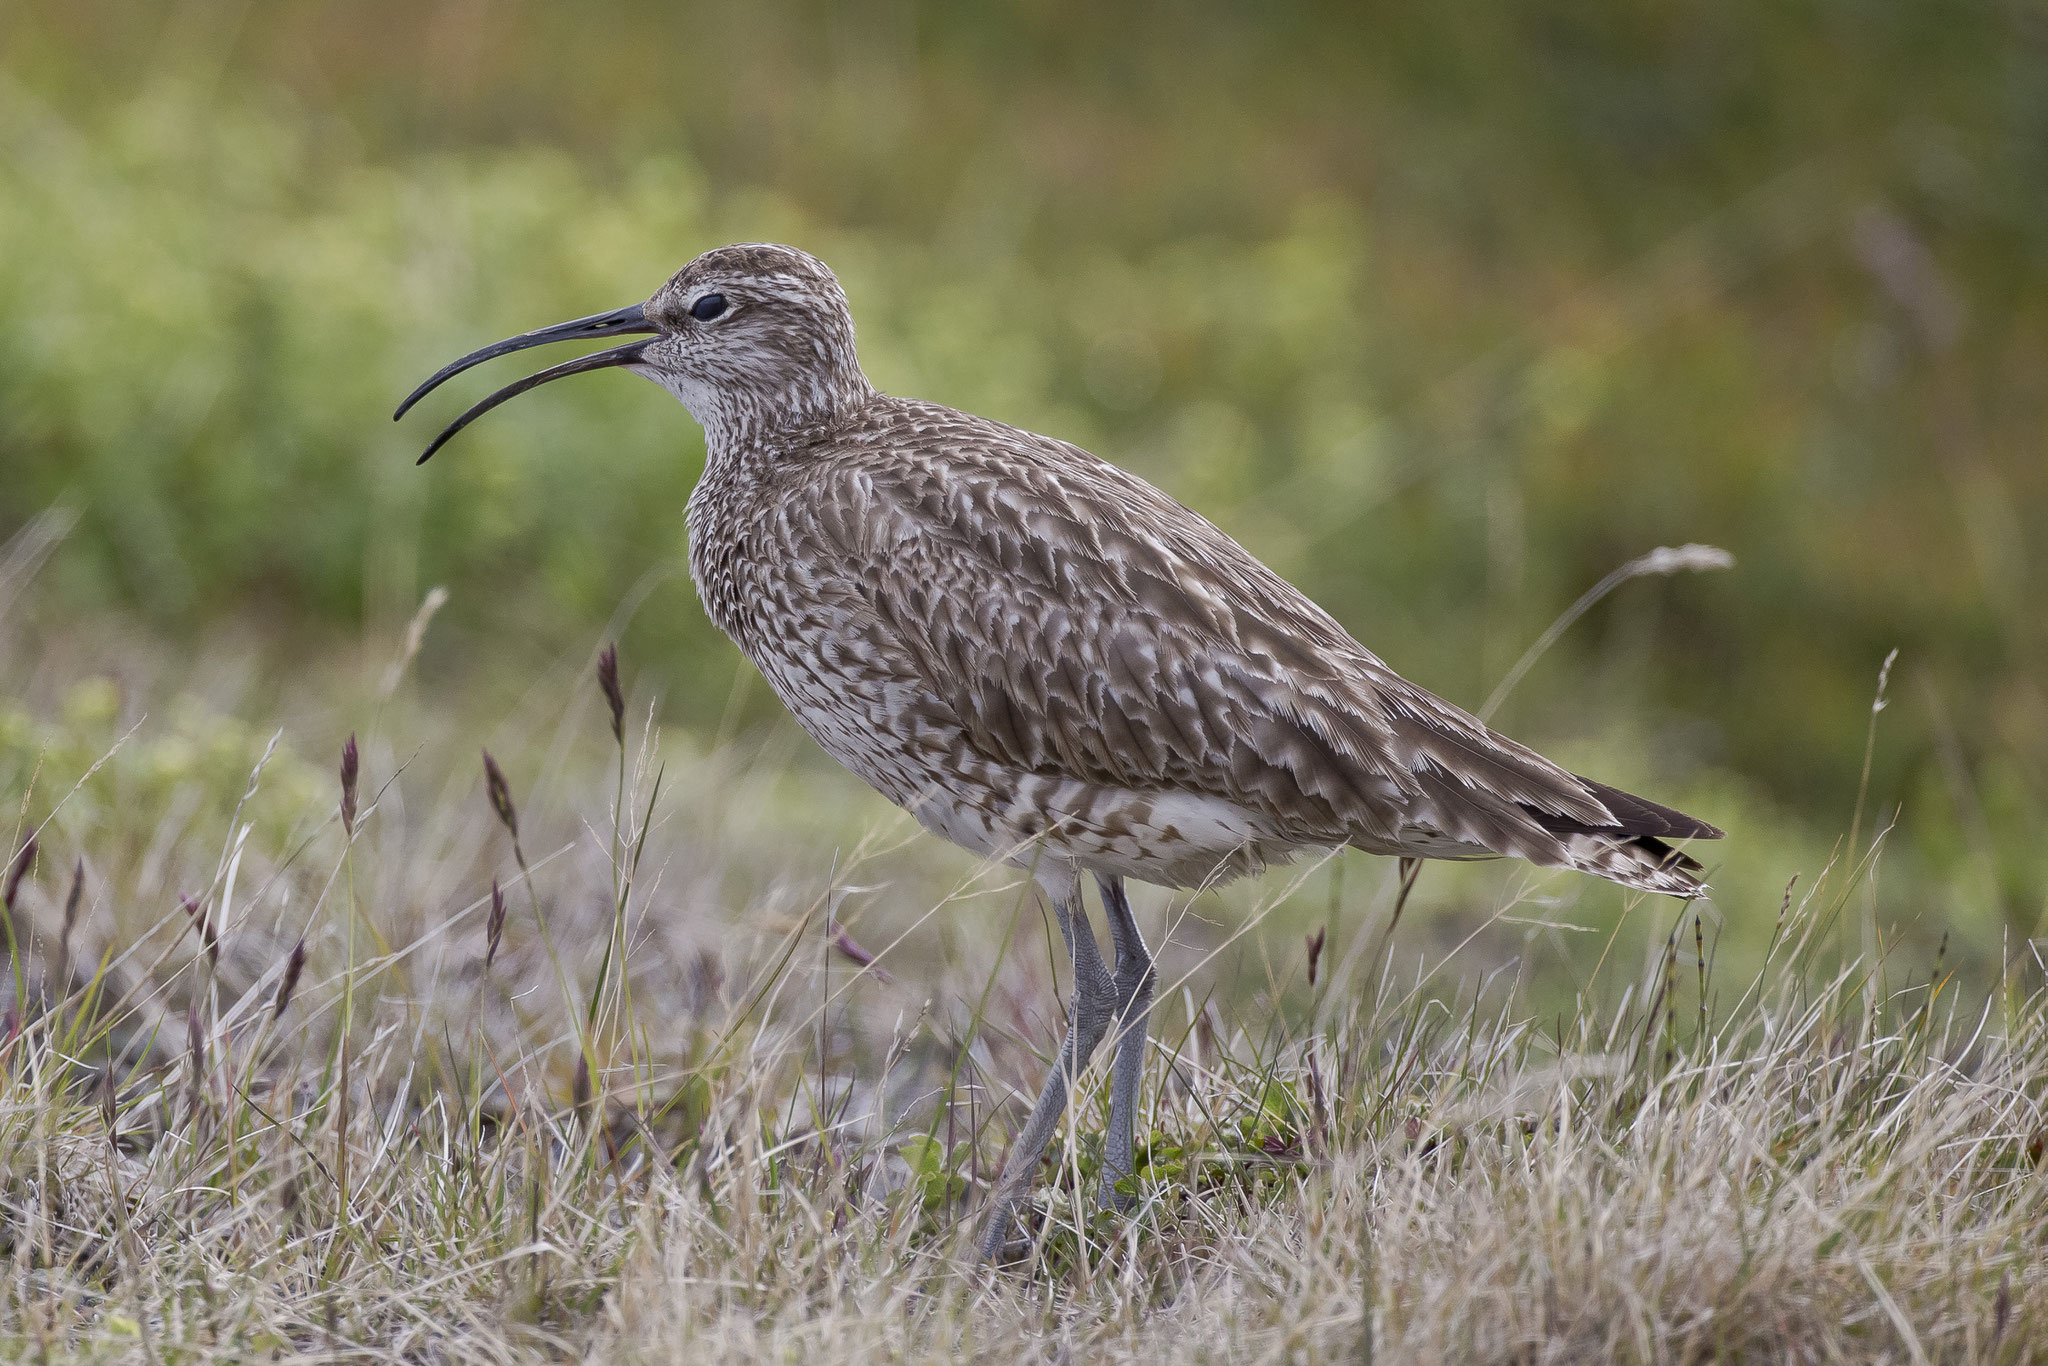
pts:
[1046, 660]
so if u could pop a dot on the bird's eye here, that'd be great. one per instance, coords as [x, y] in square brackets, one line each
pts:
[708, 307]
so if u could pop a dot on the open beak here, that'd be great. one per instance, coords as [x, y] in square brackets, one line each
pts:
[617, 323]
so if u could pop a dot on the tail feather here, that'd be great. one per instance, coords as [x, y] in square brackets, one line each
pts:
[1641, 816]
[1632, 852]
[1640, 861]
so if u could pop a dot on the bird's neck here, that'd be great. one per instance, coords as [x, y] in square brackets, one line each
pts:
[752, 420]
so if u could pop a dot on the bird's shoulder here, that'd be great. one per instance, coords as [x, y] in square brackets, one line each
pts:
[1025, 514]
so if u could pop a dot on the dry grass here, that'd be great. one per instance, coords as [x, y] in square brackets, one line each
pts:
[659, 1113]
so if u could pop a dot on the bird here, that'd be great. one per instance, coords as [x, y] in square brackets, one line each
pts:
[1048, 661]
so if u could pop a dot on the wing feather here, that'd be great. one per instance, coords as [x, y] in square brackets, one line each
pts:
[1081, 624]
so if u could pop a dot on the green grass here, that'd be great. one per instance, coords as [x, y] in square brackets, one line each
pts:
[741, 1145]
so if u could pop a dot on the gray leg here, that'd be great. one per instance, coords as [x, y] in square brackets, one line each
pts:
[1095, 998]
[1134, 982]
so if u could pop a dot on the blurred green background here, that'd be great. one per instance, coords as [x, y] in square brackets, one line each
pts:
[1445, 312]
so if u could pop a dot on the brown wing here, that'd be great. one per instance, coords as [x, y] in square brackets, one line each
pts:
[1080, 623]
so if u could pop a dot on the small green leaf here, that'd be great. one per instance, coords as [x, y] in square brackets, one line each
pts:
[926, 1158]
[925, 1155]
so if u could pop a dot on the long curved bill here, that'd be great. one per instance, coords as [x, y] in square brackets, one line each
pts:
[596, 360]
[618, 322]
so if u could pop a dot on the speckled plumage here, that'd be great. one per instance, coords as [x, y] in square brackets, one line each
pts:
[1046, 659]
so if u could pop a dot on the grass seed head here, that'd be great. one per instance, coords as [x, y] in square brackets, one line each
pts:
[74, 897]
[191, 906]
[580, 1089]
[24, 859]
[851, 947]
[350, 769]
[1314, 941]
[289, 983]
[501, 795]
[195, 1044]
[494, 928]
[608, 682]
[59, 982]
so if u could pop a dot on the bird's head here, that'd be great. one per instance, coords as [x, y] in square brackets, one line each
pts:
[752, 339]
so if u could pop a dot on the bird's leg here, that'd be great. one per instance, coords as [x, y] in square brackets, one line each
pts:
[1094, 1000]
[1134, 982]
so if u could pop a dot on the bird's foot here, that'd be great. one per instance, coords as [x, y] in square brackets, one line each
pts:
[1003, 1241]
[1117, 1192]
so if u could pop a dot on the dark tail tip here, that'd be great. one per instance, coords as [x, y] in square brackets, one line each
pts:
[1641, 816]
[1640, 824]
[1665, 855]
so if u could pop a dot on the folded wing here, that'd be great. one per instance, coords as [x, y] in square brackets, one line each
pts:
[1080, 623]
